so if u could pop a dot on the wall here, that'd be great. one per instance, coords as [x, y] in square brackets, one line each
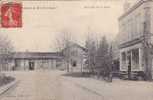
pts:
[131, 26]
[23, 64]
[151, 5]
[76, 54]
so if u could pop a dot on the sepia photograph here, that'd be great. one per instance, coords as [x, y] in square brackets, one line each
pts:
[76, 49]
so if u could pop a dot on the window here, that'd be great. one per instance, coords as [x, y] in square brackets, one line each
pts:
[132, 29]
[135, 58]
[138, 25]
[128, 30]
[123, 57]
[123, 37]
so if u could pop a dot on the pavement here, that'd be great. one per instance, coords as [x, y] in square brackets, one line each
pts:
[54, 85]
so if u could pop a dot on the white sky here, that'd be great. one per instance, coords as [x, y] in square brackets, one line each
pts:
[40, 27]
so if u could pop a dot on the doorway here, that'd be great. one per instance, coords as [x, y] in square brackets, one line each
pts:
[129, 66]
[152, 67]
[31, 65]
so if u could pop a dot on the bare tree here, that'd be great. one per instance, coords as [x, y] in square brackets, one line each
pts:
[62, 40]
[102, 57]
[91, 53]
[62, 43]
[6, 48]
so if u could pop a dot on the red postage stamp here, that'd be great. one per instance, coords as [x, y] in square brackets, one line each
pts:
[11, 15]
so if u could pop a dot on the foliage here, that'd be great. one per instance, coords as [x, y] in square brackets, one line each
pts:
[6, 48]
[91, 53]
[99, 57]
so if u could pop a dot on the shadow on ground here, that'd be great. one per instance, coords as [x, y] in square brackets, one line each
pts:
[5, 79]
[76, 75]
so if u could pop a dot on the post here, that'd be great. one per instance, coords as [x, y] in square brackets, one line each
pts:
[147, 58]
[111, 64]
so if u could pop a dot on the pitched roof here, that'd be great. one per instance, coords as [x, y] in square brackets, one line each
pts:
[75, 44]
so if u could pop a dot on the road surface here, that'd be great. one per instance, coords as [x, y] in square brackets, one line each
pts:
[46, 85]
[55, 85]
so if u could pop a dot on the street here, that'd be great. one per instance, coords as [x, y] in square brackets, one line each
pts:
[55, 85]
[45, 85]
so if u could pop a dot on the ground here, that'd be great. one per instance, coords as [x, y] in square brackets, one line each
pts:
[56, 85]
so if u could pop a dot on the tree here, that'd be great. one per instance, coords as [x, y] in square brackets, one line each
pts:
[103, 47]
[110, 63]
[91, 53]
[62, 43]
[6, 48]
[62, 40]
[104, 58]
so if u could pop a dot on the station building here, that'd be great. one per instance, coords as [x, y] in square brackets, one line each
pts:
[32, 61]
[71, 58]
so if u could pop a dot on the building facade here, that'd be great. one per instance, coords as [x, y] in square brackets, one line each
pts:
[32, 61]
[74, 57]
[134, 24]
[71, 58]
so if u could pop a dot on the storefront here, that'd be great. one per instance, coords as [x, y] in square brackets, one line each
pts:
[131, 58]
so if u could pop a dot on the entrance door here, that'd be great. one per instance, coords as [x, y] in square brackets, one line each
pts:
[152, 68]
[129, 67]
[31, 65]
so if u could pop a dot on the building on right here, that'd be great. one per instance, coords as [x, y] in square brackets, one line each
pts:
[135, 38]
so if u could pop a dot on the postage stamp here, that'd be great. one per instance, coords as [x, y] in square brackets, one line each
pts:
[11, 15]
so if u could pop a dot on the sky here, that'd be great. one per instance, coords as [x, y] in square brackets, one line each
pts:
[42, 26]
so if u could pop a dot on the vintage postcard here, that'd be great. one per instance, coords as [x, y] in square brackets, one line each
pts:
[76, 50]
